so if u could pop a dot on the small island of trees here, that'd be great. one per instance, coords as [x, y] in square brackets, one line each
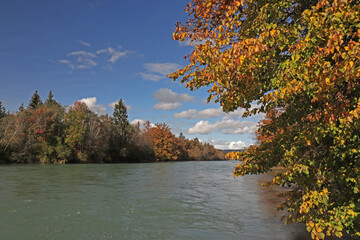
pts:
[48, 132]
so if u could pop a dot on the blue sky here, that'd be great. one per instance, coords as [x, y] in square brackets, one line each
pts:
[99, 51]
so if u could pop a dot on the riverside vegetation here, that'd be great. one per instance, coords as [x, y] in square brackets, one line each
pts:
[51, 133]
[297, 62]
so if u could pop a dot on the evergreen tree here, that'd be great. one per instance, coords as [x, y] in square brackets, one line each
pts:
[119, 130]
[50, 98]
[21, 108]
[181, 136]
[35, 101]
[2, 110]
[120, 116]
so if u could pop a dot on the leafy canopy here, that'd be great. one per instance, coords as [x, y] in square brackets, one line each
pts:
[299, 61]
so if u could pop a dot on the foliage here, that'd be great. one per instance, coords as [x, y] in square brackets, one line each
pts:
[120, 116]
[47, 133]
[15, 141]
[46, 127]
[50, 99]
[21, 107]
[138, 147]
[77, 122]
[202, 151]
[98, 138]
[2, 111]
[120, 127]
[299, 60]
[35, 100]
[164, 142]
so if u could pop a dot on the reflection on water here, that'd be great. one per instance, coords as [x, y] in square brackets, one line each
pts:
[185, 200]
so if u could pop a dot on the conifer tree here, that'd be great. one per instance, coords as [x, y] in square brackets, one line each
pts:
[35, 101]
[21, 108]
[2, 110]
[120, 116]
[50, 98]
[120, 126]
[182, 137]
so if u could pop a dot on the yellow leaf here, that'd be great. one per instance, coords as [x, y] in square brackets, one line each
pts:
[356, 115]
[351, 63]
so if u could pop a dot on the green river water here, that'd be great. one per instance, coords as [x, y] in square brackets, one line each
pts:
[177, 200]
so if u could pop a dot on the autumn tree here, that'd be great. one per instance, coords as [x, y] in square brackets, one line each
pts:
[46, 126]
[77, 121]
[97, 141]
[197, 150]
[139, 148]
[86, 134]
[299, 62]
[15, 142]
[164, 141]
[194, 149]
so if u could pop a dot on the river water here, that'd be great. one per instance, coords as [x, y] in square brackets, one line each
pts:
[176, 200]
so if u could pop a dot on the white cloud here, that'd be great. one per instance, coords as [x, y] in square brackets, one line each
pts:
[191, 114]
[206, 113]
[158, 71]
[86, 44]
[112, 106]
[167, 106]
[84, 59]
[202, 127]
[114, 54]
[91, 104]
[226, 145]
[212, 113]
[167, 95]
[151, 76]
[82, 53]
[67, 62]
[228, 126]
[162, 68]
[169, 100]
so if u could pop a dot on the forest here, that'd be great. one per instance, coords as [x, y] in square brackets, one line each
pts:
[48, 132]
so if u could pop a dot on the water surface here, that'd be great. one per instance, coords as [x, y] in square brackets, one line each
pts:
[179, 200]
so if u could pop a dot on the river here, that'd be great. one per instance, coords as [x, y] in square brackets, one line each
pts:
[173, 200]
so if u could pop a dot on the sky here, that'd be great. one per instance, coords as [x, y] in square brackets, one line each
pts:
[99, 51]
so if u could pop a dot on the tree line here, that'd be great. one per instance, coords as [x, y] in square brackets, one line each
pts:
[48, 132]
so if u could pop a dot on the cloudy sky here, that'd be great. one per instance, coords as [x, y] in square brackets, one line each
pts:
[98, 51]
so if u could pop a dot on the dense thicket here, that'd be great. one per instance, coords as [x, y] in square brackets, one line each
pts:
[299, 61]
[50, 133]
